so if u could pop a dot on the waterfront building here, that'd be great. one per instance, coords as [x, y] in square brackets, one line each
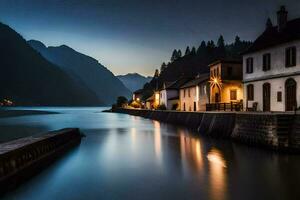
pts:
[169, 94]
[272, 67]
[226, 88]
[137, 95]
[194, 95]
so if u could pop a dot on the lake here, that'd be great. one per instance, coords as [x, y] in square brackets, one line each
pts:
[128, 157]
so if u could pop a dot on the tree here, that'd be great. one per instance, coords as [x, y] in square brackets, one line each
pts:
[187, 51]
[163, 67]
[179, 54]
[193, 52]
[221, 42]
[174, 55]
[201, 48]
[156, 74]
[121, 101]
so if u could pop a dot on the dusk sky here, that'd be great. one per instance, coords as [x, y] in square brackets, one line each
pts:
[137, 36]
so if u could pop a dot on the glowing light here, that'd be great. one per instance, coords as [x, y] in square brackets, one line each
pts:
[138, 99]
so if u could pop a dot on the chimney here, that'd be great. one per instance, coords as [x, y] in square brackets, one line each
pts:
[282, 15]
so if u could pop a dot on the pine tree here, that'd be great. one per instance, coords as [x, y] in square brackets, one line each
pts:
[201, 49]
[174, 55]
[163, 67]
[221, 42]
[193, 52]
[179, 53]
[187, 51]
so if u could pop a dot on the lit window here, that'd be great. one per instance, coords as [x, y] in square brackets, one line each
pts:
[233, 95]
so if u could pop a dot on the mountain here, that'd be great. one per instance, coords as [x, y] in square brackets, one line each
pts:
[134, 81]
[27, 78]
[84, 69]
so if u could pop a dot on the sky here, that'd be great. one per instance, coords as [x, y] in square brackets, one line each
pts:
[136, 35]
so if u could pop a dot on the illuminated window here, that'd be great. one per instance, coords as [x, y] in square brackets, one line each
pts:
[233, 95]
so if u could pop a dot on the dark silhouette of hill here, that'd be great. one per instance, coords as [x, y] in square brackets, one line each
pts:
[195, 61]
[134, 81]
[27, 78]
[85, 70]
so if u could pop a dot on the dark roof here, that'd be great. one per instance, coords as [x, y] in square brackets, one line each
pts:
[272, 37]
[138, 91]
[200, 79]
[178, 83]
[225, 61]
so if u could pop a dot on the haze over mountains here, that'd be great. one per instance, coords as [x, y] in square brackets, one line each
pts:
[134, 81]
[84, 70]
[27, 78]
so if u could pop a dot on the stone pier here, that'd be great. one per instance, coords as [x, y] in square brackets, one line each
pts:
[22, 158]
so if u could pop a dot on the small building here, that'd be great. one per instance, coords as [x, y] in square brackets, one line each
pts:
[169, 94]
[272, 67]
[137, 95]
[153, 101]
[226, 88]
[194, 95]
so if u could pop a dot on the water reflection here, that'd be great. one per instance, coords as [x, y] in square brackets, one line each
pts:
[190, 148]
[217, 167]
[125, 157]
[157, 141]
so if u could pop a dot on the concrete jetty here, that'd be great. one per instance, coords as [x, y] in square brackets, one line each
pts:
[22, 158]
[278, 131]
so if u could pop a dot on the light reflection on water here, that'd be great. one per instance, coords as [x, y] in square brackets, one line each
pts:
[127, 157]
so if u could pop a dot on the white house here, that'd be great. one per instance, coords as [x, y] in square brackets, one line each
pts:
[271, 67]
[169, 94]
[194, 95]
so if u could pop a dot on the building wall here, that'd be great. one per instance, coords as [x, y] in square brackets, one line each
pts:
[167, 94]
[231, 85]
[259, 77]
[187, 101]
[198, 95]
[277, 62]
[277, 85]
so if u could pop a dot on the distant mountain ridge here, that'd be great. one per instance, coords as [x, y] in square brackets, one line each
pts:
[134, 81]
[85, 70]
[28, 79]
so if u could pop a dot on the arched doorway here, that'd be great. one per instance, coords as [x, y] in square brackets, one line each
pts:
[266, 97]
[290, 94]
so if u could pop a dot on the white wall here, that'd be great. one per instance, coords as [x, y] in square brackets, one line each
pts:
[277, 85]
[277, 62]
[165, 95]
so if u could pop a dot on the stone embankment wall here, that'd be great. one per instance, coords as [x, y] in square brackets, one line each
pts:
[280, 131]
[22, 158]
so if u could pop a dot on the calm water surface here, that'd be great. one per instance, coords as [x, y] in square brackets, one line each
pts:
[127, 157]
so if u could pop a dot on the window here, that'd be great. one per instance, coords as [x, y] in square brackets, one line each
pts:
[229, 71]
[290, 57]
[250, 92]
[266, 62]
[183, 92]
[233, 95]
[279, 96]
[249, 65]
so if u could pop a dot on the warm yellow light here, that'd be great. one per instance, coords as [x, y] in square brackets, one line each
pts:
[138, 99]
[215, 80]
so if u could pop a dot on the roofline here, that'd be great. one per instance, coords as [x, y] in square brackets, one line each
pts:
[206, 80]
[225, 61]
[268, 47]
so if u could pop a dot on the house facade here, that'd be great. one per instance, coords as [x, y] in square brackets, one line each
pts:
[272, 67]
[194, 95]
[226, 81]
[169, 94]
